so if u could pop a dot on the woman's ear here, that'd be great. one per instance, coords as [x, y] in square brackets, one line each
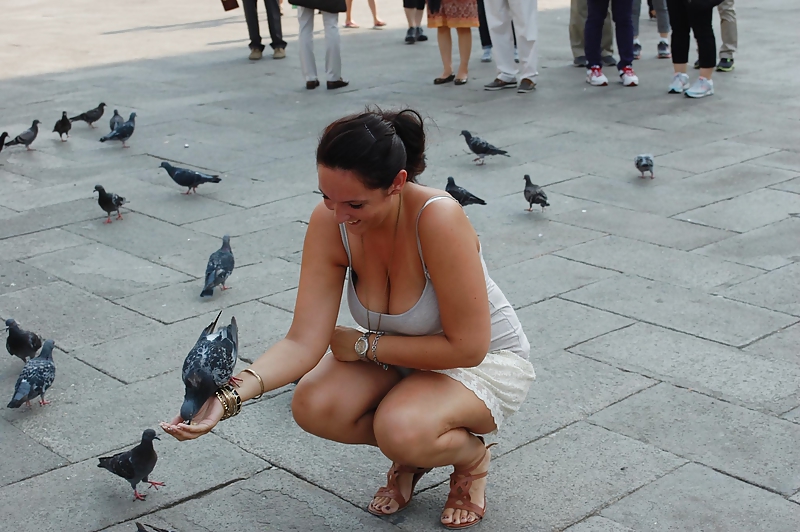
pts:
[399, 182]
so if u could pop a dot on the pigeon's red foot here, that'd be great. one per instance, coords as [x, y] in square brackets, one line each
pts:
[652, 176]
[226, 287]
[42, 402]
[28, 403]
[154, 484]
[119, 216]
[108, 220]
[529, 210]
[138, 496]
[187, 192]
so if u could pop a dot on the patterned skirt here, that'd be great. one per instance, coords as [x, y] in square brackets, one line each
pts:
[455, 14]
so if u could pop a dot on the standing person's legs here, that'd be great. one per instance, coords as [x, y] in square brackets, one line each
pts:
[679, 19]
[464, 50]
[728, 34]
[621, 11]
[525, 16]
[333, 50]
[636, 12]
[251, 17]
[305, 42]
[376, 22]
[577, 21]
[701, 23]
[275, 29]
[662, 17]
[348, 19]
[498, 18]
[483, 30]
[414, 10]
[593, 30]
[445, 41]
[607, 42]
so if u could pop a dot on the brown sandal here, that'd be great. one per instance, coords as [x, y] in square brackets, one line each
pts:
[392, 489]
[458, 498]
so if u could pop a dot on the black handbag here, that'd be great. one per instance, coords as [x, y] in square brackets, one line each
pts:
[703, 4]
[327, 6]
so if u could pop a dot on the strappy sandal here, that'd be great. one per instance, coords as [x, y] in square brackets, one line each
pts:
[458, 498]
[392, 489]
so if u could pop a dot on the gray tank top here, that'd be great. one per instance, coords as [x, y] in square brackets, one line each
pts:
[423, 319]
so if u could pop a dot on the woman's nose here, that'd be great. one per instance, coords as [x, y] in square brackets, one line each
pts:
[340, 214]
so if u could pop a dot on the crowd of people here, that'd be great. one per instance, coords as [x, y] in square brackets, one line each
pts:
[509, 34]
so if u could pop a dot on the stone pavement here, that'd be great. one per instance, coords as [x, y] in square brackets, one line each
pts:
[663, 314]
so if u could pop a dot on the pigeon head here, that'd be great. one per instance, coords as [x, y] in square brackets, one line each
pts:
[47, 350]
[63, 114]
[116, 113]
[199, 387]
[101, 105]
[467, 134]
[451, 181]
[10, 323]
[100, 189]
[226, 242]
[165, 164]
[133, 115]
[527, 179]
[149, 435]
[35, 123]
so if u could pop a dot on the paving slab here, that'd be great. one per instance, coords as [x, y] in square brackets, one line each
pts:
[769, 247]
[644, 226]
[15, 276]
[771, 386]
[96, 269]
[711, 156]
[739, 442]
[781, 345]
[49, 217]
[615, 168]
[286, 301]
[659, 263]
[789, 186]
[31, 458]
[68, 489]
[72, 317]
[792, 415]
[30, 245]
[746, 212]
[698, 498]
[280, 241]
[778, 290]
[554, 482]
[788, 160]
[598, 524]
[711, 317]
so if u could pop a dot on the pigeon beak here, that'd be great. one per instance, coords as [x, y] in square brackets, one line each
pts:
[157, 438]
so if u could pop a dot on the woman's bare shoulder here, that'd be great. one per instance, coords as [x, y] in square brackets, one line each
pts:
[323, 234]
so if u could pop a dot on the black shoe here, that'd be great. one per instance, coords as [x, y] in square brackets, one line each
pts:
[526, 85]
[311, 85]
[411, 36]
[725, 64]
[338, 84]
[421, 36]
[697, 64]
[442, 81]
[580, 61]
[461, 81]
[499, 84]
[637, 51]
[609, 61]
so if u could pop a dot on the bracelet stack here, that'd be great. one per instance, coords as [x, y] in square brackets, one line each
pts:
[230, 401]
[375, 351]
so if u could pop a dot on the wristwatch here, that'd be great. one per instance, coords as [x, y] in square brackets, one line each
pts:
[362, 346]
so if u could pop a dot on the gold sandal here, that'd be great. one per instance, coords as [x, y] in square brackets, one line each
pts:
[458, 498]
[392, 489]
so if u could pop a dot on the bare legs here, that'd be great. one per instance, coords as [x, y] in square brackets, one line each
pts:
[414, 17]
[348, 22]
[446, 51]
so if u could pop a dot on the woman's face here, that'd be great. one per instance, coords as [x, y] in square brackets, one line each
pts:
[352, 203]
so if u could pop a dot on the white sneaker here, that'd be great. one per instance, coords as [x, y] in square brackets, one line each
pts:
[595, 76]
[701, 88]
[680, 82]
[628, 77]
[487, 54]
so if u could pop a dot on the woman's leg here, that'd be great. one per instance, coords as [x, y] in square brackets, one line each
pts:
[700, 21]
[348, 19]
[593, 31]
[464, 51]
[446, 50]
[483, 27]
[679, 19]
[375, 20]
[427, 420]
[321, 408]
[623, 23]
[636, 12]
[305, 42]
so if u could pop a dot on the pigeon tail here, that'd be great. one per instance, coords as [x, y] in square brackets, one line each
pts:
[208, 289]
[21, 395]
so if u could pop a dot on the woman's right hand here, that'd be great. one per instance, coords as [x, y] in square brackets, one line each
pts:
[206, 419]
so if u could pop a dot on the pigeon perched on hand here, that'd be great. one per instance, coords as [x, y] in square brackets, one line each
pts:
[36, 377]
[188, 178]
[21, 343]
[462, 195]
[116, 120]
[534, 194]
[26, 137]
[109, 202]
[63, 126]
[219, 267]
[644, 163]
[123, 131]
[209, 365]
[481, 148]
[135, 465]
[91, 116]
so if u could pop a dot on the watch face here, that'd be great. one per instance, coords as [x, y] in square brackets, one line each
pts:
[361, 346]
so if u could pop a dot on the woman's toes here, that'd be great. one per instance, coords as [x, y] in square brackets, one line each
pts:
[447, 516]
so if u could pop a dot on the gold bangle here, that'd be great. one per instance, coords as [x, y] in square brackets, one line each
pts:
[260, 382]
[230, 400]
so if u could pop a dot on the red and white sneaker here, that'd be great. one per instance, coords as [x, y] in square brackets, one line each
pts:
[595, 76]
[628, 77]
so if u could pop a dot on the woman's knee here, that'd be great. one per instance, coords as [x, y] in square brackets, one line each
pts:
[402, 433]
[311, 405]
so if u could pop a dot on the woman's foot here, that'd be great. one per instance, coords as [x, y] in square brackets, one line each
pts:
[400, 483]
[456, 514]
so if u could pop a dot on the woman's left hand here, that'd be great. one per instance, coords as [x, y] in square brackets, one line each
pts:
[343, 343]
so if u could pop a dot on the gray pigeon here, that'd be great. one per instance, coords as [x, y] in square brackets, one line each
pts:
[91, 116]
[109, 202]
[26, 137]
[21, 343]
[36, 377]
[63, 126]
[219, 267]
[462, 195]
[481, 148]
[209, 365]
[188, 178]
[644, 163]
[123, 131]
[135, 465]
[116, 120]
[534, 194]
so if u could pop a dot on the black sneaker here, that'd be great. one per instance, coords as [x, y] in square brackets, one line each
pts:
[609, 60]
[580, 61]
[499, 84]
[637, 51]
[725, 64]
[421, 36]
[411, 36]
[697, 65]
[663, 50]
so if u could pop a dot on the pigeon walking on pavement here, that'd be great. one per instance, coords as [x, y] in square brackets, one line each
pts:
[116, 120]
[27, 137]
[135, 465]
[109, 202]
[91, 116]
[534, 194]
[209, 365]
[644, 163]
[63, 126]
[462, 195]
[481, 148]
[123, 131]
[188, 178]
[21, 343]
[36, 377]
[219, 267]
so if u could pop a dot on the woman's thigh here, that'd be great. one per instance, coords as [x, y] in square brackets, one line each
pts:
[333, 396]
